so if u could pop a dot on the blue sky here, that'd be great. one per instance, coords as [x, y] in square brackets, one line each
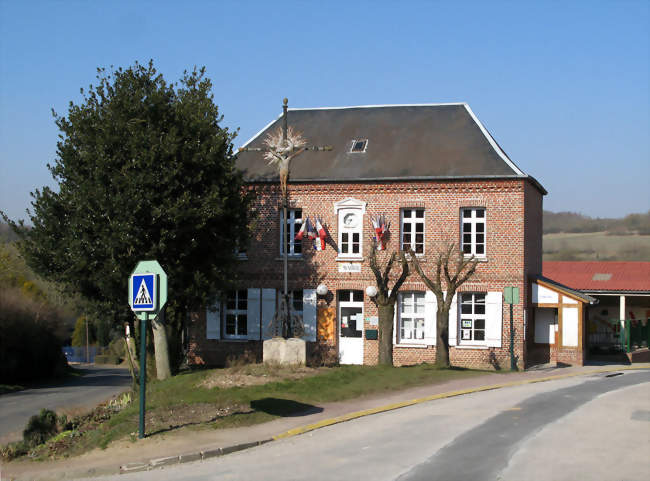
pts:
[562, 86]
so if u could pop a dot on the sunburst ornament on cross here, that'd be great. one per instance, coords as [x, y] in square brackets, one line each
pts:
[281, 147]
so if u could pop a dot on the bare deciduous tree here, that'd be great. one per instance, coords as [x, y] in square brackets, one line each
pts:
[452, 269]
[385, 299]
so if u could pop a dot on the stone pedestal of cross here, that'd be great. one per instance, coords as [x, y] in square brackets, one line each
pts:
[285, 323]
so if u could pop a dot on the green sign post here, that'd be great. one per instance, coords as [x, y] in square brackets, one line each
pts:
[147, 296]
[511, 296]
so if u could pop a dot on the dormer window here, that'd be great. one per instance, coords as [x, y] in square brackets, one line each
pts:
[359, 145]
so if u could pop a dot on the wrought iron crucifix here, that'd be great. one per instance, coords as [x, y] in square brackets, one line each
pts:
[280, 151]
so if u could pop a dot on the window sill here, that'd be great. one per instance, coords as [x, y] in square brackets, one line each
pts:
[472, 346]
[479, 259]
[420, 257]
[409, 345]
[236, 339]
[349, 259]
[291, 257]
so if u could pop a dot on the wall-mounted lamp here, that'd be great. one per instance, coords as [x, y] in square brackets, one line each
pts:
[322, 290]
[371, 291]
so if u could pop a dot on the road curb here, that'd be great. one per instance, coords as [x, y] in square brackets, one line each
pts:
[221, 451]
[217, 452]
[390, 407]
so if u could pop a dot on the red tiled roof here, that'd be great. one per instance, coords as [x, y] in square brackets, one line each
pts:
[600, 276]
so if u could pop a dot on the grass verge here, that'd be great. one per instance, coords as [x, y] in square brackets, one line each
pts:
[7, 388]
[193, 400]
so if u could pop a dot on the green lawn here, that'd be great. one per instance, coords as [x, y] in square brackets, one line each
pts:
[180, 401]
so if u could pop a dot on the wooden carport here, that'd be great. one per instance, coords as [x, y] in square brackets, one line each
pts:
[558, 323]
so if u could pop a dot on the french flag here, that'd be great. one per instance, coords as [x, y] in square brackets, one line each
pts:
[381, 227]
[311, 233]
[378, 232]
[303, 229]
[322, 234]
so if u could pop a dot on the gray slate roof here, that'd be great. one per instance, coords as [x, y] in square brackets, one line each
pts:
[436, 141]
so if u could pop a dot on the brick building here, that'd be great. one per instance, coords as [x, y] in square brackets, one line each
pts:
[437, 176]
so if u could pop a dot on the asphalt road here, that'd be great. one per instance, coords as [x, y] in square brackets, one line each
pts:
[75, 395]
[588, 428]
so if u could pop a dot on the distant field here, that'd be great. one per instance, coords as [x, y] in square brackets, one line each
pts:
[596, 246]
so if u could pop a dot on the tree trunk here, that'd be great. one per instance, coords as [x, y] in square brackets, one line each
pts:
[386, 316]
[442, 338]
[161, 347]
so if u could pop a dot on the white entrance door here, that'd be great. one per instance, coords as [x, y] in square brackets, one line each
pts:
[350, 317]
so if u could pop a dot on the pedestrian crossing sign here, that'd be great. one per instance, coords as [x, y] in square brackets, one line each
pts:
[143, 292]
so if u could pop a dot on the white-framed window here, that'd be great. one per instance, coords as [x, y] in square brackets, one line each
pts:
[412, 230]
[411, 318]
[350, 239]
[472, 231]
[350, 213]
[293, 224]
[472, 318]
[295, 298]
[236, 315]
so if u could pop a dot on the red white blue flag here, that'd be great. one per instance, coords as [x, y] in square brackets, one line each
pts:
[303, 229]
[322, 234]
[380, 226]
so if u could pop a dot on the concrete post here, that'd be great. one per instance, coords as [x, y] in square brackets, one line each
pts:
[622, 308]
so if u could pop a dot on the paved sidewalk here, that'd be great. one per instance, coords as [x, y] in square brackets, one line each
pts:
[188, 445]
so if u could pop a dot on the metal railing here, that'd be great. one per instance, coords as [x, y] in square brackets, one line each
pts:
[635, 334]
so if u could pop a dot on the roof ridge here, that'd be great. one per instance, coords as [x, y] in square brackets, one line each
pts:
[373, 106]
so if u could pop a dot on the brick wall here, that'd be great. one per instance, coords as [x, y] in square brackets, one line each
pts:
[513, 219]
[533, 231]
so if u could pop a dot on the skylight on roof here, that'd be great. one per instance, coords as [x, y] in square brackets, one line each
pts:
[359, 145]
[600, 276]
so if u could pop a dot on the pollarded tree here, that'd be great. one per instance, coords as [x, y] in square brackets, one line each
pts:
[144, 171]
[386, 298]
[452, 269]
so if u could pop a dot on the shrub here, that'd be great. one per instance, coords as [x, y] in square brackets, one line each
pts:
[102, 331]
[40, 428]
[29, 347]
[116, 347]
[106, 359]
[13, 450]
[79, 334]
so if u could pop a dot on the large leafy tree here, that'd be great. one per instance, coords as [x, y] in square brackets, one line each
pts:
[144, 171]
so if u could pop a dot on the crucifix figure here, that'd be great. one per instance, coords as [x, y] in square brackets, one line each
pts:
[281, 147]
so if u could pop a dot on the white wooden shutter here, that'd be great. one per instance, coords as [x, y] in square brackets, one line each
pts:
[396, 310]
[213, 321]
[430, 317]
[309, 314]
[493, 318]
[253, 314]
[453, 321]
[268, 311]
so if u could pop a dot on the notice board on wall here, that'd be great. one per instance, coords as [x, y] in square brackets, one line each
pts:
[326, 318]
